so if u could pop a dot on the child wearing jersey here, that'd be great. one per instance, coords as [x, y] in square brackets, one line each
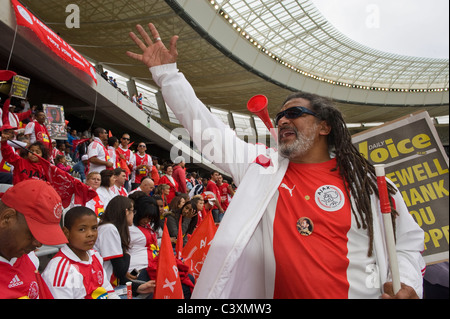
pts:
[76, 271]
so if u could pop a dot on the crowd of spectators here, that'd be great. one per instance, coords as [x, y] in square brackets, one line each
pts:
[125, 180]
[137, 99]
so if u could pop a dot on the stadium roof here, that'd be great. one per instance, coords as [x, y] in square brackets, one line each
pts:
[297, 33]
[231, 50]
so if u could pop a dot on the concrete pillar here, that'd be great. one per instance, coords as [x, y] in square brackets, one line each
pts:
[162, 106]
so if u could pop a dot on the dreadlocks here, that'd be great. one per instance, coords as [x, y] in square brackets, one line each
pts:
[358, 174]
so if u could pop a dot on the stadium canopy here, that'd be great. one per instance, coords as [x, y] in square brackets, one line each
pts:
[231, 50]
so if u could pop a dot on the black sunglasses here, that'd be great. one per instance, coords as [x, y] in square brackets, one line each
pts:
[293, 113]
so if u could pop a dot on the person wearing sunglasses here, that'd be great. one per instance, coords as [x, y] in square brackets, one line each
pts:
[143, 165]
[126, 155]
[316, 174]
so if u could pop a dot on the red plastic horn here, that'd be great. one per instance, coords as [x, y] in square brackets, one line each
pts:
[258, 106]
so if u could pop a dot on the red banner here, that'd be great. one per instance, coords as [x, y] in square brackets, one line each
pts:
[52, 40]
[168, 284]
[197, 247]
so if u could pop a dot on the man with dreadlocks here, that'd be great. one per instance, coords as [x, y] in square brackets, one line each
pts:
[316, 175]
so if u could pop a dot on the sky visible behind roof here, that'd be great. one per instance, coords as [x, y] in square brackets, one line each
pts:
[408, 27]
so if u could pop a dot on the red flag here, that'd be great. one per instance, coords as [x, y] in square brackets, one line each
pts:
[194, 253]
[179, 246]
[76, 142]
[44, 292]
[66, 185]
[168, 284]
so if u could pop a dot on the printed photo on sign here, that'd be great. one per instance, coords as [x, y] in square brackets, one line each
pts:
[55, 121]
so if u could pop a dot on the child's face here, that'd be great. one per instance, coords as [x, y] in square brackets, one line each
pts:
[33, 158]
[82, 235]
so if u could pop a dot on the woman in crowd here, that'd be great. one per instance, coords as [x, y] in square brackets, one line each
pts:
[113, 241]
[106, 191]
[188, 224]
[168, 179]
[143, 237]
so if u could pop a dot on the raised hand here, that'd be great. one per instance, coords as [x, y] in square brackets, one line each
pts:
[153, 52]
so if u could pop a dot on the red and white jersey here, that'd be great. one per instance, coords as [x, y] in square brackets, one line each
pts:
[143, 247]
[311, 236]
[18, 280]
[97, 149]
[112, 155]
[39, 133]
[120, 191]
[109, 246]
[68, 277]
[142, 172]
[129, 157]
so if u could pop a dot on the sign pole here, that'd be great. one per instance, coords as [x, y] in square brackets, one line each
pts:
[388, 228]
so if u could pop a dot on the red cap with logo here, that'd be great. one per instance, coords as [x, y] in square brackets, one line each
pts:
[41, 205]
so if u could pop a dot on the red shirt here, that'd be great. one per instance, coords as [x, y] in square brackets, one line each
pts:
[223, 190]
[173, 187]
[142, 160]
[18, 279]
[128, 156]
[212, 187]
[311, 262]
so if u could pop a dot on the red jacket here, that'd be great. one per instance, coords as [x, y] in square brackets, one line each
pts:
[179, 175]
[173, 188]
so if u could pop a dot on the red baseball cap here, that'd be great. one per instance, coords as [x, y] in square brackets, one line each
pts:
[42, 207]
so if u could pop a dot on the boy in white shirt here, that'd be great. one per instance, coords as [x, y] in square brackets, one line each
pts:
[76, 271]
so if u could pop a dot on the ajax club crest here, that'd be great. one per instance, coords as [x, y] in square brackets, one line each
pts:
[329, 198]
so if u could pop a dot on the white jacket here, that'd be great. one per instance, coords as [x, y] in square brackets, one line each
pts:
[240, 262]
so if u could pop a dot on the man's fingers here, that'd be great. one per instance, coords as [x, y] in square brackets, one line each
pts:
[173, 45]
[138, 41]
[154, 32]
[134, 55]
[144, 35]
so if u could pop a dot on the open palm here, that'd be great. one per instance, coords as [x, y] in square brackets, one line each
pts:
[153, 52]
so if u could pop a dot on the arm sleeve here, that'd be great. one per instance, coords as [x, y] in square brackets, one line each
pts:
[217, 141]
[8, 153]
[120, 267]
[108, 242]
